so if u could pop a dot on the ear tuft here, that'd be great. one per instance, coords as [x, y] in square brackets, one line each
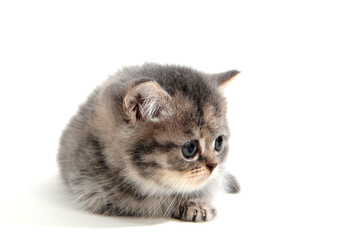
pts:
[146, 101]
[222, 79]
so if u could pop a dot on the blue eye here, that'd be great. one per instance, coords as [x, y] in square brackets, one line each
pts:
[218, 143]
[189, 149]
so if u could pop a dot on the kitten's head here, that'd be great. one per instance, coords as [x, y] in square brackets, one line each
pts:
[166, 125]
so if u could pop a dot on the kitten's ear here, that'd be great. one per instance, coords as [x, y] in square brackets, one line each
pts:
[146, 101]
[222, 79]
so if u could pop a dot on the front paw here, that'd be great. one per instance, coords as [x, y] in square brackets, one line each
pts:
[195, 210]
[231, 184]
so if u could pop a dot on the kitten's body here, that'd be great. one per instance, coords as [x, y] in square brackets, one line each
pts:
[122, 153]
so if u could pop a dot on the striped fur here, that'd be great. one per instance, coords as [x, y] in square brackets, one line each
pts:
[121, 153]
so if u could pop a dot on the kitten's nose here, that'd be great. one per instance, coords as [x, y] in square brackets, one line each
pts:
[211, 166]
[210, 161]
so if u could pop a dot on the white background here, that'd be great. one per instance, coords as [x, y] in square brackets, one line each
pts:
[294, 110]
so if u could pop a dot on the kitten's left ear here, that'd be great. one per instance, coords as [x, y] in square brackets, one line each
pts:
[224, 78]
[147, 101]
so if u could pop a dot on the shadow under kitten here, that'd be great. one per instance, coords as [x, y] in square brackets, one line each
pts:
[59, 209]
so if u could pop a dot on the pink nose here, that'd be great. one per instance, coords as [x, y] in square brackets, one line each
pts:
[211, 166]
[210, 160]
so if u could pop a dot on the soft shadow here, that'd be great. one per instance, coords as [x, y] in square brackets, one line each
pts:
[54, 207]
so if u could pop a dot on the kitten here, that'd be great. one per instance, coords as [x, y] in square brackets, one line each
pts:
[151, 142]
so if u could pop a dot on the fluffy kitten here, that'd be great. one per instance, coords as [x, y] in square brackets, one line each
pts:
[151, 142]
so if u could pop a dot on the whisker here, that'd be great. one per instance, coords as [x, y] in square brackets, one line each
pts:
[161, 200]
[187, 184]
[150, 195]
[183, 185]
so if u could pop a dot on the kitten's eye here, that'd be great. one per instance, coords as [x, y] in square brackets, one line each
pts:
[189, 149]
[218, 143]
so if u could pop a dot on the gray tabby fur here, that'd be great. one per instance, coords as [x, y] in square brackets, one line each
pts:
[121, 153]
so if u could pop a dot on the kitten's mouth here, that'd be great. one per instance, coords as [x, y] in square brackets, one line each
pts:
[199, 177]
[192, 181]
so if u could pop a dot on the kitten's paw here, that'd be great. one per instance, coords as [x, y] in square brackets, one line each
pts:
[231, 184]
[195, 210]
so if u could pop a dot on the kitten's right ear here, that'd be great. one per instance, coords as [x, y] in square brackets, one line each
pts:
[224, 78]
[146, 101]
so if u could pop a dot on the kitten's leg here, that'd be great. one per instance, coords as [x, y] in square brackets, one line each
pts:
[195, 210]
[231, 185]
